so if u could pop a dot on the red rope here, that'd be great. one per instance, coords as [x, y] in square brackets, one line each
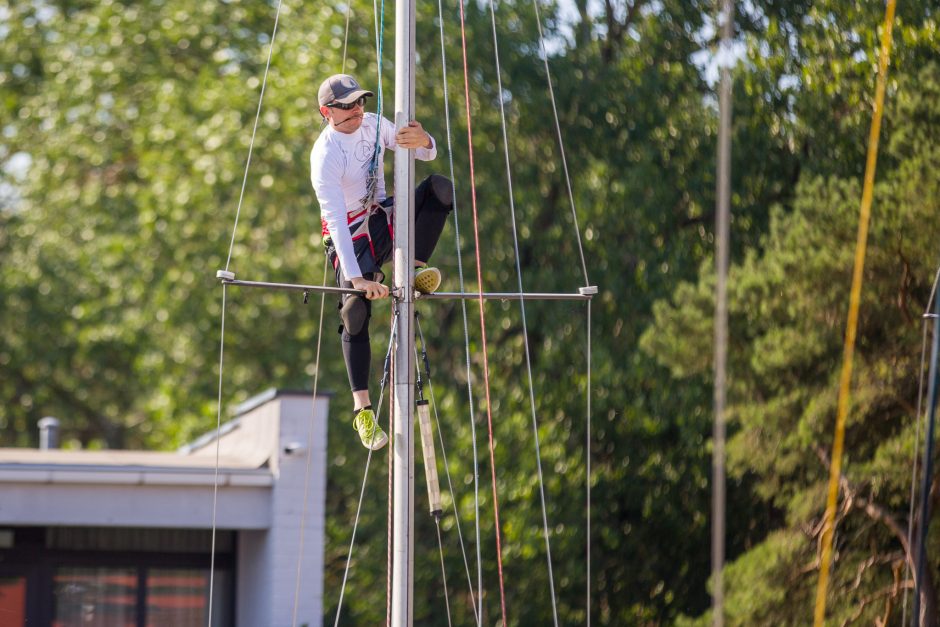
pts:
[486, 366]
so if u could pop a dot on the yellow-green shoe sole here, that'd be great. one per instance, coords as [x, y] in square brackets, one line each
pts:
[427, 280]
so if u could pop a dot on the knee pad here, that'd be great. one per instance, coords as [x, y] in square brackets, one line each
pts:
[354, 313]
[442, 188]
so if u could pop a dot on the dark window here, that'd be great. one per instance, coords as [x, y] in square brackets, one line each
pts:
[180, 597]
[94, 597]
[114, 577]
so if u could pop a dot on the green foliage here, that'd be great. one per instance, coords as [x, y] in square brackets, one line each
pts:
[787, 307]
[135, 120]
[780, 600]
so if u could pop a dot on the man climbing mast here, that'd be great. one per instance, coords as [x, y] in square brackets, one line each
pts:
[349, 181]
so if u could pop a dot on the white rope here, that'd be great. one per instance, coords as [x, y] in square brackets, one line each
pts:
[218, 439]
[525, 331]
[310, 434]
[450, 484]
[478, 609]
[365, 476]
[254, 131]
[561, 143]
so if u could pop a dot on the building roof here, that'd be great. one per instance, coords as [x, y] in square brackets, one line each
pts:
[246, 445]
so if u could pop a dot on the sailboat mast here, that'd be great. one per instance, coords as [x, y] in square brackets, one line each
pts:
[403, 355]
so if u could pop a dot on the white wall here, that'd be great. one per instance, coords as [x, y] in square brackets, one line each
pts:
[268, 561]
[105, 505]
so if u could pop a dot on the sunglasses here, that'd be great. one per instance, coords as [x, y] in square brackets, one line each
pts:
[358, 102]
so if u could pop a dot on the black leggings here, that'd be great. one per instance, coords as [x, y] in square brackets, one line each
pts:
[433, 201]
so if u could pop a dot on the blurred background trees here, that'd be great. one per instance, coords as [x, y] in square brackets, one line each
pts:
[124, 137]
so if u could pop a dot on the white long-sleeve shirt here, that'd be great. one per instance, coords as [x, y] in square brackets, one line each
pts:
[339, 170]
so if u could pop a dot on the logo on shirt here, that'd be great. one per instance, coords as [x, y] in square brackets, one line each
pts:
[364, 151]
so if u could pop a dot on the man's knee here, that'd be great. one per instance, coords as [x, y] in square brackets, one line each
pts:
[442, 188]
[354, 313]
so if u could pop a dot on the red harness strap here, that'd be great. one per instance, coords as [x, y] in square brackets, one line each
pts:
[362, 228]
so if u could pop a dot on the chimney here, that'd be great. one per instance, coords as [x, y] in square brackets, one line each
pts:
[48, 433]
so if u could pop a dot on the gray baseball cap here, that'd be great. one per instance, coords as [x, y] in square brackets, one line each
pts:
[341, 88]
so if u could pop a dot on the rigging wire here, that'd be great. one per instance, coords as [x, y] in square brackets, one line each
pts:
[466, 335]
[437, 515]
[378, 19]
[379, 42]
[928, 461]
[561, 143]
[218, 440]
[375, 164]
[450, 484]
[928, 454]
[362, 491]
[525, 329]
[437, 523]
[389, 537]
[587, 448]
[854, 302]
[241, 198]
[346, 36]
[486, 366]
[254, 132]
[917, 420]
[310, 435]
[577, 229]
[316, 382]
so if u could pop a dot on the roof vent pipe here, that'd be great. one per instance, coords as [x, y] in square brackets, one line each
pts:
[48, 433]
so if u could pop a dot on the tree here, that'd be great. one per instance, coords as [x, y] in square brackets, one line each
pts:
[136, 119]
[787, 307]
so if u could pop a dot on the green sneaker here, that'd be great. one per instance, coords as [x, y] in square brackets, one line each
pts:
[427, 280]
[369, 430]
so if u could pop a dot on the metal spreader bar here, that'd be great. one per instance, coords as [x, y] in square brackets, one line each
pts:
[228, 278]
[584, 293]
